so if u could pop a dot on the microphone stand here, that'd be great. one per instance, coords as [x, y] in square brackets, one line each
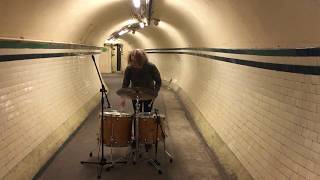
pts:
[103, 161]
[103, 89]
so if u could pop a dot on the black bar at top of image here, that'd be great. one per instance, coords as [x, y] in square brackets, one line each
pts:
[16, 57]
[298, 52]
[300, 69]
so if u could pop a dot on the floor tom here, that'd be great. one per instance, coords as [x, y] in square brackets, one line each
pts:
[117, 128]
[148, 128]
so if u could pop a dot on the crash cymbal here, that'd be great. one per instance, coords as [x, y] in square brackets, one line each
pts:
[133, 93]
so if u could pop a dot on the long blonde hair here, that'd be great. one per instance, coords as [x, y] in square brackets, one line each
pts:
[137, 58]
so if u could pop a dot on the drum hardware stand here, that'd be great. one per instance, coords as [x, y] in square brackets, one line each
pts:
[112, 162]
[164, 147]
[103, 161]
[163, 136]
[165, 150]
[154, 162]
[133, 139]
[136, 130]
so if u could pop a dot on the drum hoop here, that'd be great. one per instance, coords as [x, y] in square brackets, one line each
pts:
[115, 114]
[151, 116]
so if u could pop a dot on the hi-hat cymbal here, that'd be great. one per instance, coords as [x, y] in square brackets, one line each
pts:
[133, 93]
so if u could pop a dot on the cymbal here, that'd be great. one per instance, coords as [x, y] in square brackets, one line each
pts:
[133, 93]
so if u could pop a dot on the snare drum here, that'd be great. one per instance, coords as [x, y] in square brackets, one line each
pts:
[117, 129]
[148, 128]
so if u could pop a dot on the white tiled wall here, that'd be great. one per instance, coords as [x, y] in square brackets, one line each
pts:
[36, 97]
[269, 119]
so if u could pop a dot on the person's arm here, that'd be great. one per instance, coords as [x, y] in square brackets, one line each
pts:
[157, 79]
[126, 79]
[125, 84]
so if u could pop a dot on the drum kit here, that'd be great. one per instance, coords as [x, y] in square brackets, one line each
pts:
[120, 129]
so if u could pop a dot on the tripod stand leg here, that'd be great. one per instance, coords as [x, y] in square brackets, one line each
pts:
[100, 172]
[164, 145]
[169, 155]
[86, 162]
[155, 164]
[166, 152]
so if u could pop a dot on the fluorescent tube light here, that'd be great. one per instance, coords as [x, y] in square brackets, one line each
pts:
[136, 3]
[122, 32]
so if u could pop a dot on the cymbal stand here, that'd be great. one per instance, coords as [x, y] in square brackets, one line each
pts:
[103, 161]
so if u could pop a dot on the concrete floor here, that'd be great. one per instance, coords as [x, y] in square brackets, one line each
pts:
[192, 159]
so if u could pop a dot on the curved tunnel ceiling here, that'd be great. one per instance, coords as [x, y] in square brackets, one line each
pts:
[210, 23]
[184, 23]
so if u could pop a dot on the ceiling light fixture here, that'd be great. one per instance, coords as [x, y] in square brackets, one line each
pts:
[122, 32]
[142, 17]
[136, 3]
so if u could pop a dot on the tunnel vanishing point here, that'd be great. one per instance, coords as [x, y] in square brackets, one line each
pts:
[247, 73]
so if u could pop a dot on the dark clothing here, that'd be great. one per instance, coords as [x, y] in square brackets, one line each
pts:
[146, 104]
[147, 77]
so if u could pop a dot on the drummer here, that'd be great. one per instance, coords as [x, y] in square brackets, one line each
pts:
[143, 74]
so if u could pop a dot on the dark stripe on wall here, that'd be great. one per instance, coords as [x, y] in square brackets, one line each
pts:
[300, 69]
[39, 56]
[19, 44]
[300, 52]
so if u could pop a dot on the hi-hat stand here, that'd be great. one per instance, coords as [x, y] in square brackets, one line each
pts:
[102, 161]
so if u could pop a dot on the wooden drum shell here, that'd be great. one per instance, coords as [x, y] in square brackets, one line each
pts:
[148, 128]
[117, 129]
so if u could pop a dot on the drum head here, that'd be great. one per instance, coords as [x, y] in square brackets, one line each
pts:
[150, 115]
[115, 113]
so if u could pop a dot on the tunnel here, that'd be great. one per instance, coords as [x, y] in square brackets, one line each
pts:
[240, 86]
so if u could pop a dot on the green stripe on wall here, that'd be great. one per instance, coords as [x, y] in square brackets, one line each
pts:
[17, 57]
[21, 44]
[292, 68]
[289, 52]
